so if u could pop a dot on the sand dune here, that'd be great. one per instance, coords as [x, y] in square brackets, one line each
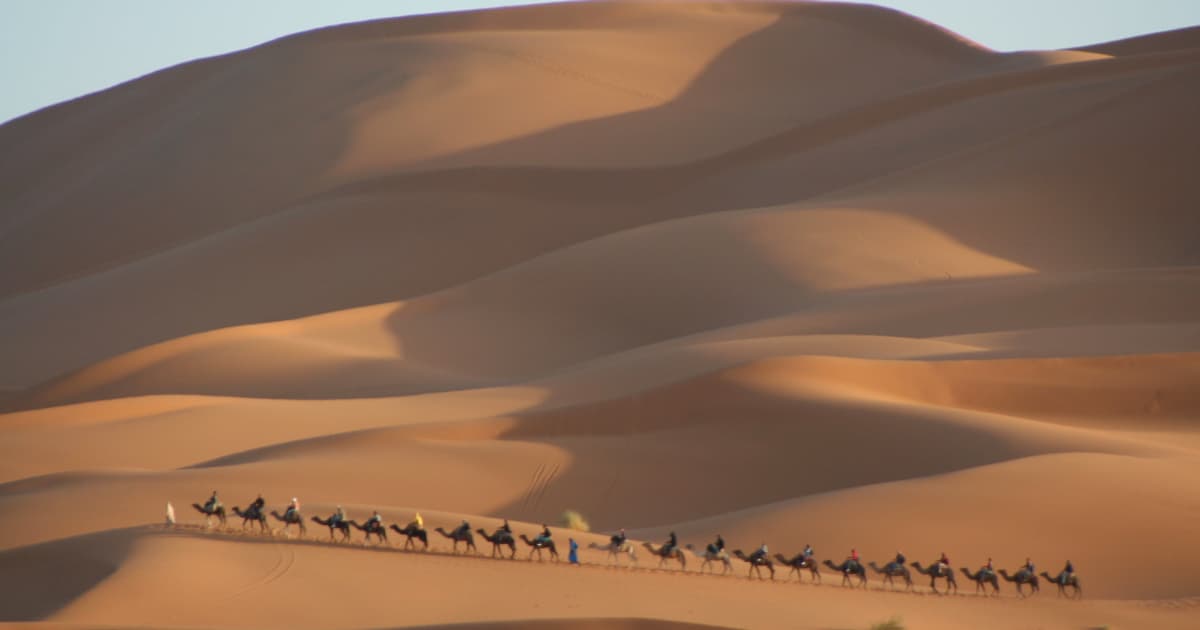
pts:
[791, 272]
[353, 226]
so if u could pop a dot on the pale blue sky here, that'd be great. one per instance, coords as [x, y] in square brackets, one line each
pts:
[54, 50]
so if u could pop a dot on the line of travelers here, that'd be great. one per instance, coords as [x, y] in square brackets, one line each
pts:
[853, 563]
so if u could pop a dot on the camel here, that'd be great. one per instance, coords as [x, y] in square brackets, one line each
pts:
[846, 572]
[538, 545]
[459, 535]
[893, 570]
[1022, 578]
[218, 511]
[616, 549]
[289, 518]
[410, 532]
[757, 562]
[341, 526]
[499, 539]
[800, 562]
[665, 553]
[934, 572]
[252, 515]
[710, 555]
[981, 581]
[372, 527]
[1063, 582]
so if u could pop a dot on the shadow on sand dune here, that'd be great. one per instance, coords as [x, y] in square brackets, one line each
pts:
[38, 580]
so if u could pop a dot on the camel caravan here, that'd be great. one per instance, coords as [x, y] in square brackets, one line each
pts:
[897, 573]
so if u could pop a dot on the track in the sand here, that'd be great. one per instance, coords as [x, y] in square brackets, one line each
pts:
[280, 538]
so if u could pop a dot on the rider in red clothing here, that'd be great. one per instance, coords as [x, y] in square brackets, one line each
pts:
[943, 563]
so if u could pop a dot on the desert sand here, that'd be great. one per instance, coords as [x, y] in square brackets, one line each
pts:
[788, 272]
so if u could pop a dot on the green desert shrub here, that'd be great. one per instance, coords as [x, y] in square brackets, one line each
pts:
[895, 623]
[571, 519]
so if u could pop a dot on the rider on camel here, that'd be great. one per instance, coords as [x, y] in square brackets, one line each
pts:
[987, 569]
[943, 563]
[852, 561]
[1066, 574]
[899, 561]
[213, 504]
[338, 517]
[1028, 568]
[672, 542]
[760, 553]
[719, 544]
[461, 530]
[293, 507]
[618, 539]
[543, 537]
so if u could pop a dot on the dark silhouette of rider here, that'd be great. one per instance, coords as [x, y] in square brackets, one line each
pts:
[543, 537]
[1028, 566]
[719, 545]
[672, 542]
[462, 529]
[899, 561]
[619, 539]
[256, 507]
[1067, 572]
[213, 503]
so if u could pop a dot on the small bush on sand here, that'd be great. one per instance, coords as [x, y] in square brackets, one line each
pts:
[574, 520]
[895, 623]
